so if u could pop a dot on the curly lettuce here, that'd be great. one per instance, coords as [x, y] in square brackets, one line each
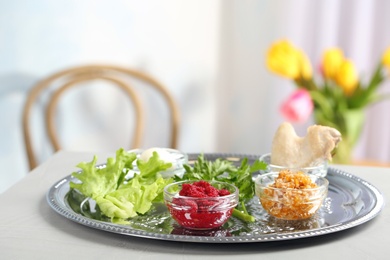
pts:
[115, 196]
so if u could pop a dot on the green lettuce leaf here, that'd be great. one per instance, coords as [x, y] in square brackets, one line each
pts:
[98, 182]
[116, 206]
[149, 170]
[116, 197]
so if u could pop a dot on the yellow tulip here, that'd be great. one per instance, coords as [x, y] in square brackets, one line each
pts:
[346, 77]
[386, 58]
[331, 62]
[284, 59]
[305, 66]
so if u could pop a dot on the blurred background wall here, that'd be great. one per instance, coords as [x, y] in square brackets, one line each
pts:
[210, 54]
[175, 41]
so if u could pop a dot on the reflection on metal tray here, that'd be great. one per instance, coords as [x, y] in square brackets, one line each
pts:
[351, 202]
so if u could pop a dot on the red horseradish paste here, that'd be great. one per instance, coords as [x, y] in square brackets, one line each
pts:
[200, 206]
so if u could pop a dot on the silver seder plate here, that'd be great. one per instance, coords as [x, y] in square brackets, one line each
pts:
[351, 202]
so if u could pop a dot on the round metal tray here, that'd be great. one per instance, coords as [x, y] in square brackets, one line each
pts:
[351, 202]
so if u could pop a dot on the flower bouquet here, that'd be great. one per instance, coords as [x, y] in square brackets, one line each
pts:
[337, 97]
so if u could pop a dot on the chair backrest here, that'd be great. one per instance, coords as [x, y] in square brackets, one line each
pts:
[72, 77]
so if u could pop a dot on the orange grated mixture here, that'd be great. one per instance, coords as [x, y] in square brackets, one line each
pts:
[291, 201]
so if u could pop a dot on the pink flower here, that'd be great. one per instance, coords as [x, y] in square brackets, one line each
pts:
[298, 107]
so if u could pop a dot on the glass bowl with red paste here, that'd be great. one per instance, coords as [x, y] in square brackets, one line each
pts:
[201, 205]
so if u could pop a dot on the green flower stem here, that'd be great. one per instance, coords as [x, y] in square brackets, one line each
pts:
[322, 103]
[367, 96]
[243, 216]
[377, 78]
[307, 84]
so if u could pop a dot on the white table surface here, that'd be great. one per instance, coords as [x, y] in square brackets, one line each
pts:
[30, 229]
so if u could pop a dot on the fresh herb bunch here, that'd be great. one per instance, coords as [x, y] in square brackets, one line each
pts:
[225, 171]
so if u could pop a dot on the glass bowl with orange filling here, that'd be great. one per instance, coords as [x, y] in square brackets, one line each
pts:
[291, 195]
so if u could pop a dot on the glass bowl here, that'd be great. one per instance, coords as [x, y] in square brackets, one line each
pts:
[284, 200]
[320, 169]
[177, 158]
[200, 213]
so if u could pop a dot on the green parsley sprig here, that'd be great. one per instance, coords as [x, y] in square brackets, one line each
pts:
[225, 171]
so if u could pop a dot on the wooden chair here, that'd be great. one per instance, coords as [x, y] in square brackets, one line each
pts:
[72, 77]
